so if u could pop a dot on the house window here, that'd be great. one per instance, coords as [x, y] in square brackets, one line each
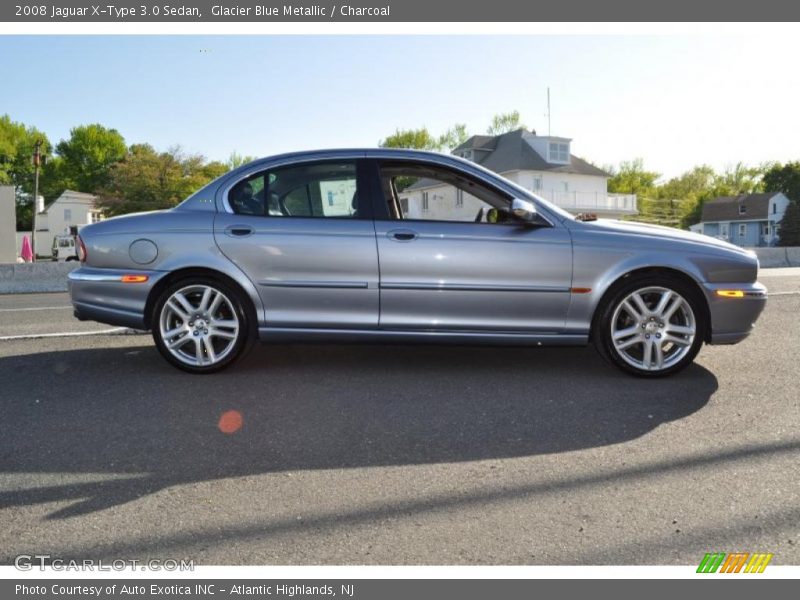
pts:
[67, 215]
[558, 152]
[424, 201]
[742, 230]
[537, 184]
[774, 207]
[742, 209]
[467, 154]
[459, 197]
[723, 230]
[765, 229]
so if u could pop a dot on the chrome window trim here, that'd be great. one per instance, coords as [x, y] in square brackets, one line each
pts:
[266, 164]
[486, 177]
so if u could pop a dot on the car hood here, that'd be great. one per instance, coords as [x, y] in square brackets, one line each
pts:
[660, 231]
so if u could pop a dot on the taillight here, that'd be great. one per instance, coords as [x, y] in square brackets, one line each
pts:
[82, 255]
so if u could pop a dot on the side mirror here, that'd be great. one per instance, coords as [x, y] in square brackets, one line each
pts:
[524, 210]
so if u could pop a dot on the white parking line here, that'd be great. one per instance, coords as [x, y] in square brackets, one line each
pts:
[33, 336]
[35, 308]
[783, 294]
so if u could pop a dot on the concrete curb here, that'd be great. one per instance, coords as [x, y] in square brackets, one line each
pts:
[46, 276]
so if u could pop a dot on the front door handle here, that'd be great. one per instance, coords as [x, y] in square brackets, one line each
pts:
[239, 230]
[402, 235]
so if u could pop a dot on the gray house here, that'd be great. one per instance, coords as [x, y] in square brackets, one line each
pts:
[746, 220]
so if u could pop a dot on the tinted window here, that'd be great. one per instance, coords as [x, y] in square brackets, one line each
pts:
[311, 190]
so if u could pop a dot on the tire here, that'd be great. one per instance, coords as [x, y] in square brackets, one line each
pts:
[663, 312]
[201, 325]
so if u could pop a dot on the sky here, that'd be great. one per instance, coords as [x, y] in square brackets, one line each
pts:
[675, 101]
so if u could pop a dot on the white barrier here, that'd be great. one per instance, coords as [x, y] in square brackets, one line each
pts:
[44, 276]
[778, 257]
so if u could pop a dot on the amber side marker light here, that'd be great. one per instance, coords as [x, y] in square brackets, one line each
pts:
[730, 293]
[134, 278]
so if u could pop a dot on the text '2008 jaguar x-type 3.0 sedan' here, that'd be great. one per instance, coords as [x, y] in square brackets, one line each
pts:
[405, 246]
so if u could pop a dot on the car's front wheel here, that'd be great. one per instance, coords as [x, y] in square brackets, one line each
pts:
[200, 325]
[651, 326]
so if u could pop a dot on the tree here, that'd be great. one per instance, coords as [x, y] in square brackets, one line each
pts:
[236, 160]
[53, 179]
[149, 180]
[688, 192]
[416, 139]
[16, 164]
[453, 137]
[505, 122]
[632, 178]
[790, 225]
[784, 178]
[88, 155]
[739, 179]
[214, 169]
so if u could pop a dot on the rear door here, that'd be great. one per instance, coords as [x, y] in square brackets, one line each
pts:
[305, 237]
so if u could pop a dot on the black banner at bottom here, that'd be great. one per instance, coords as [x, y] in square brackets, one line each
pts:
[388, 589]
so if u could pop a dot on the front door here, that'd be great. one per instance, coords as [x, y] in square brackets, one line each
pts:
[305, 239]
[450, 262]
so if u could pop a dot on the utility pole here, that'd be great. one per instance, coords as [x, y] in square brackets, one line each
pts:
[549, 132]
[37, 161]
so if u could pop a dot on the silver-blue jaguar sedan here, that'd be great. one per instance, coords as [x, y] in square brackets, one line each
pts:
[388, 246]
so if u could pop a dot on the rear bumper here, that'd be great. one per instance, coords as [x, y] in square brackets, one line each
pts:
[100, 295]
[732, 319]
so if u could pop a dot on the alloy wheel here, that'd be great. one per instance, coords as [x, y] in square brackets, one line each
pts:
[653, 328]
[199, 325]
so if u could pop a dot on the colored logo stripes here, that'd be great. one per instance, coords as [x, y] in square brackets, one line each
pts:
[736, 562]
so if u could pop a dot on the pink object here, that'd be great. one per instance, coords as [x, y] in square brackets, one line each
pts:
[26, 253]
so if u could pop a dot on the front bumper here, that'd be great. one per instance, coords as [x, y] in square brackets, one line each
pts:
[732, 319]
[100, 295]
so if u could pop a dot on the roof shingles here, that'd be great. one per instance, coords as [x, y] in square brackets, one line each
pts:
[728, 208]
[512, 152]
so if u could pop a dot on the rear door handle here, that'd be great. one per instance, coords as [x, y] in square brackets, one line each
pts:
[402, 235]
[239, 230]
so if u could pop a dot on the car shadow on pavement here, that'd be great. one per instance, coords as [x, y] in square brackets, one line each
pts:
[126, 414]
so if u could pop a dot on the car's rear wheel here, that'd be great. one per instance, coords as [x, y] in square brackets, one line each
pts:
[200, 325]
[651, 326]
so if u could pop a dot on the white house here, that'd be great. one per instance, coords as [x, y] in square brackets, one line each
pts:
[541, 164]
[746, 220]
[68, 210]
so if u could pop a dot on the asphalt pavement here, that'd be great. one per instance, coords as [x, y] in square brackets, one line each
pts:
[395, 454]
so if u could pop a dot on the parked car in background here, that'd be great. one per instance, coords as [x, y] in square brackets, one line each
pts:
[316, 246]
[65, 247]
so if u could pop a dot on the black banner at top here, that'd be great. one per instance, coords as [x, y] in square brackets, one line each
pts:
[398, 11]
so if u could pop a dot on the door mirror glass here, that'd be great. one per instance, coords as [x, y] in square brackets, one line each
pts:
[524, 210]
